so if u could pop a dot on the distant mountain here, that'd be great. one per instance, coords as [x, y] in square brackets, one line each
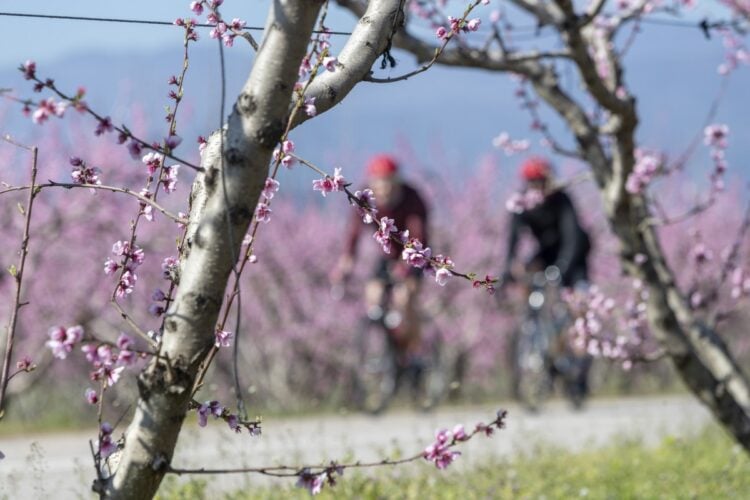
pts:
[447, 116]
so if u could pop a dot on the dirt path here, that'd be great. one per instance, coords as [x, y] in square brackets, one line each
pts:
[59, 466]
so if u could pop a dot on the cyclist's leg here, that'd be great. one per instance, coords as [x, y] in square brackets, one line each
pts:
[405, 301]
[375, 290]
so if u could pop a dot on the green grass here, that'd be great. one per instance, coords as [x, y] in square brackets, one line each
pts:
[708, 466]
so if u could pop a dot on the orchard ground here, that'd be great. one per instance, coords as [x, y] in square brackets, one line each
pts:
[517, 457]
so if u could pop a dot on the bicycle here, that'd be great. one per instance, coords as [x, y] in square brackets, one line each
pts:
[538, 352]
[384, 366]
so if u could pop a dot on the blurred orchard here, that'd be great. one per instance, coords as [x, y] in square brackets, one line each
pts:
[301, 336]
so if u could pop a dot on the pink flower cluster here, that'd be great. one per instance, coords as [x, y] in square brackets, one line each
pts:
[647, 165]
[106, 445]
[284, 154]
[716, 136]
[189, 25]
[83, 174]
[130, 259]
[364, 202]
[107, 362]
[270, 187]
[509, 146]
[736, 52]
[330, 184]
[457, 25]
[320, 48]
[415, 254]
[170, 267]
[441, 266]
[46, 108]
[595, 329]
[313, 482]
[440, 452]
[214, 408]
[386, 229]
[62, 340]
[223, 338]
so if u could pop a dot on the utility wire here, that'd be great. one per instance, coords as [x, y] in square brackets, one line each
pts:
[676, 23]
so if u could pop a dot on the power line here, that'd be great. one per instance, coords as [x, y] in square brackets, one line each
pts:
[135, 21]
[700, 25]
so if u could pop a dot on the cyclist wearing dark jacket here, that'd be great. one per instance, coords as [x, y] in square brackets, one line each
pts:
[553, 222]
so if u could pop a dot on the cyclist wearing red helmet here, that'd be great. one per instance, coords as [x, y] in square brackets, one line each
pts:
[553, 222]
[399, 201]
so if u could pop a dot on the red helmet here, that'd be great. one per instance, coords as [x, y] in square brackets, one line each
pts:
[382, 166]
[535, 168]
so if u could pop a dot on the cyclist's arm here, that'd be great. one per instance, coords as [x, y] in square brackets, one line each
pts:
[515, 231]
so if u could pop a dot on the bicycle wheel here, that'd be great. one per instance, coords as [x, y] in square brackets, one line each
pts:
[375, 378]
[531, 373]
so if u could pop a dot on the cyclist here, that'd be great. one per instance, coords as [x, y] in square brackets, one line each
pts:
[553, 222]
[561, 242]
[399, 201]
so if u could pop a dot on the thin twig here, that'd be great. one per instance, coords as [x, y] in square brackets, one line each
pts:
[18, 275]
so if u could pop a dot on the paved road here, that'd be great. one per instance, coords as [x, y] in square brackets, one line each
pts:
[60, 465]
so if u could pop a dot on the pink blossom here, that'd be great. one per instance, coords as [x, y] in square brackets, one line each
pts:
[228, 39]
[29, 70]
[223, 338]
[715, 135]
[135, 149]
[169, 267]
[312, 482]
[172, 141]
[209, 408]
[202, 143]
[110, 266]
[330, 63]
[329, 184]
[25, 364]
[124, 342]
[197, 8]
[106, 445]
[83, 174]
[169, 179]
[364, 203]
[109, 374]
[473, 24]
[237, 24]
[439, 452]
[62, 340]
[441, 275]
[459, 434]
[92, 397]
[415, 255]
[126, 284]
[263, 212]
[153, 161]
[309, 105]
[442, 33]
[104, 125]
[304, 67]
[270, 187]
[383, 235]
[234, 423]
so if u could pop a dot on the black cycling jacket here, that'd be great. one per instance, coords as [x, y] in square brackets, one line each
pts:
[555, 226]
